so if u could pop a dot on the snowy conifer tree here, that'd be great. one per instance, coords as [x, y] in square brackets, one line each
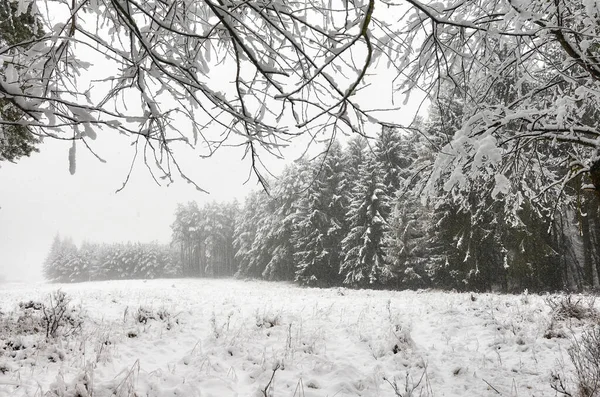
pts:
[285, 197]
[364, 262]
[170, 262]
[251, 235]
[407, 242]
[89, 253]
[355, 154]
[62, 263]
[395, 156]
[77, 266]
[321, 221]
[19, 24]
[402, 156]
[53, 260]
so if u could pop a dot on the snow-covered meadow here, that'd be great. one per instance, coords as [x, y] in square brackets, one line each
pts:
[199, 337]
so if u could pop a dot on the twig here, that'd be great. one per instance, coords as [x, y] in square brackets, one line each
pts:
[493, 388]
[266, 389]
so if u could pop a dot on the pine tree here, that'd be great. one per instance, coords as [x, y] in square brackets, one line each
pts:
[402, 158]
[364, 262]
[65, 264]
[321, 221]
[188, 235]
[218, 223]
[53, 259]
[407, 242]
[89, 253]
[231, 212]
[76, 267]
[149, 265]
[395, 155]
[169, 262]
[355, 154]
[252, 235]
[284, 203]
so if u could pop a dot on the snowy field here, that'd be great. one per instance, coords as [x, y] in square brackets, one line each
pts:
[248, 338]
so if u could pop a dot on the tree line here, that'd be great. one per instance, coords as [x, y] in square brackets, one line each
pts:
[66, 263]
[356, 216]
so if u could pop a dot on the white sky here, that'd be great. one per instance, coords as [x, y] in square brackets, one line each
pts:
[39, 198]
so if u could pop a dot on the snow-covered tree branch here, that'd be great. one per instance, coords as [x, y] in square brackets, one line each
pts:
[525, 75]
[527, 78]
[203, 73]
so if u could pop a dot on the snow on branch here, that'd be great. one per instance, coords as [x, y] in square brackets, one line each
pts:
[193, 71]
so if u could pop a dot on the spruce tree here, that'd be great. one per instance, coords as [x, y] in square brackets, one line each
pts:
[364, 246]
[285, 198]
[395, 156]
[252, 235]
[321, 221]
[402, 157]
[50, 268]
[67, 266]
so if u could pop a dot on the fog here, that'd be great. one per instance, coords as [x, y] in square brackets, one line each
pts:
[40, 198]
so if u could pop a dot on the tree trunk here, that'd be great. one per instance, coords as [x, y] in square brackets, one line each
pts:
[587, 251]
[595, 175]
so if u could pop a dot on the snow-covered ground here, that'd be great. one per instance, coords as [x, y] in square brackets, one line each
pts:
[252, 338]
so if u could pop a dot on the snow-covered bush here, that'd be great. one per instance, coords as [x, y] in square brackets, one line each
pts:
[585, 355]
[268, 320]
[80, 386]
[569, 307]
[53, 317]
[144, 314]
[59, 317]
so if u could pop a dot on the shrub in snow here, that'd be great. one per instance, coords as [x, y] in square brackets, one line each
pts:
[55, 354]
[554, 331]
[4, 368]
[143, 315]
[55, 317]
[14, 344]
[58, 317]
[409, 387]
[267, 320]
[219, 330]
[81, 386]
[585, 356]
[28, 320]
[568, 307]
[132, 333]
